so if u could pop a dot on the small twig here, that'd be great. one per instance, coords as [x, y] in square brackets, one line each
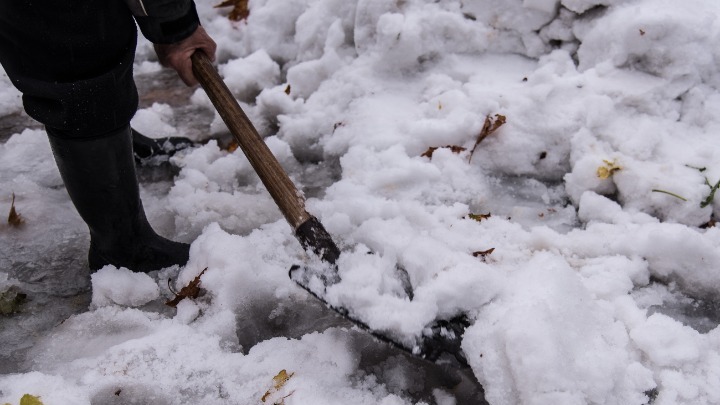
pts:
[669, 193]
[700, 169]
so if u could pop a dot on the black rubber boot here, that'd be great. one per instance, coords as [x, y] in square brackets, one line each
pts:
[99, 175]
[155, 151]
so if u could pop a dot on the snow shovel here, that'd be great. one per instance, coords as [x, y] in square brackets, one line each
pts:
[441, 337]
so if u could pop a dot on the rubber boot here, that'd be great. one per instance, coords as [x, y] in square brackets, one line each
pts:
[99, 175]
[155, 151]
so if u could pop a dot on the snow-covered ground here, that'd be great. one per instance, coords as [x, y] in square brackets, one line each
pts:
[603, 284]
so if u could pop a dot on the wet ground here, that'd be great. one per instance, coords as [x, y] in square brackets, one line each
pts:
[54, 282]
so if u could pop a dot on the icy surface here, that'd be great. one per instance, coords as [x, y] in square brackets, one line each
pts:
[602, 287]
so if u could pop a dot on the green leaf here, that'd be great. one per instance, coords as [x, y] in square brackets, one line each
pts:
[711, 197]
[28, 399]
[669, 193]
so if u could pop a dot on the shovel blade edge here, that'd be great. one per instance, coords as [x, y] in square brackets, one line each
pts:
[442, 337]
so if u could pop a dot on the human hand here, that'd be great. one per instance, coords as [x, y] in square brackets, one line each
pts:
[177, 55]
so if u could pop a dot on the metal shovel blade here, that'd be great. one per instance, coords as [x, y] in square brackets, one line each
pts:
[442, 337]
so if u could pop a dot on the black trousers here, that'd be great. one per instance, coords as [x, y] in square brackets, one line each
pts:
[73, 62]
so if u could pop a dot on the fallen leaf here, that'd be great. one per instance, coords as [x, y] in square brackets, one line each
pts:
[453, 148]
[28, 399]
[287, 90]
[240, 9]
[489, 127]
[479, 217]
[606, 171]
[14, 219]
[709, 224]
[278, 382]
[281, 378]
[711, 196]
[192, 290]
[483, 253]
[232, 146]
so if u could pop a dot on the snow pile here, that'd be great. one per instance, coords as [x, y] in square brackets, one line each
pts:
[599, 188]
[122, 287]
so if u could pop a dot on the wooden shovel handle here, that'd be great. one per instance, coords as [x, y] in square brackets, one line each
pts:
[281, 188]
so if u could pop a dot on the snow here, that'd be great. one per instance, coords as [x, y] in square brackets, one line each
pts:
[154, 121]
[112, 286]
[577, 303]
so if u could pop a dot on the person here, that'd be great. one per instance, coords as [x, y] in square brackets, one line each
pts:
[72, 60]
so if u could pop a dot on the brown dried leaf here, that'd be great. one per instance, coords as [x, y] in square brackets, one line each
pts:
[278, 382]
[479, 217]
[232, 146]
[483, 253]
[14, 219]
[240, 9]
[453, 148]
[192, 290]
[489, 127]
[287, 90]
[281, 378]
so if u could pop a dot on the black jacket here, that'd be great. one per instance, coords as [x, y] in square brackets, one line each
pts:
[73, 59]
[165, 21]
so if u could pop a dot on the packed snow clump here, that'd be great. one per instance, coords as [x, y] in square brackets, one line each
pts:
[122, 287]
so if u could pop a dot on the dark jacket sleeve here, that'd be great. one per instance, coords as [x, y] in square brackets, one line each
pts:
[165, 21]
